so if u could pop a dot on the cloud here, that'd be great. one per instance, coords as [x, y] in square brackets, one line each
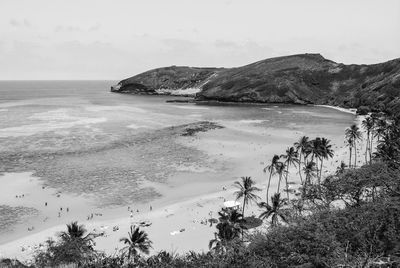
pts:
[179, 45]
[14, 23]
[225, 44]
[70, 28]
[73, 28]
[20, 23]
[94, 27]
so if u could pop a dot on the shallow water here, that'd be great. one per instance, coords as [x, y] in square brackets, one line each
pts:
[113, 150]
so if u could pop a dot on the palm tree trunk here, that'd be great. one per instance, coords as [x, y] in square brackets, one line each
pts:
[301, 179]
[279, 182]
[269, 183]
[287, 185]
[320, 172]
[350, 157]
[370, 149]
[355, 154]
[244, 204]
[366, 149]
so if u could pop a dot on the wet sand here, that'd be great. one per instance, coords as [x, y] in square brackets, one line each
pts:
[135, 159]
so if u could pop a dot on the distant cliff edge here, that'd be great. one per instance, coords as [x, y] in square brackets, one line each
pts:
[297, 79]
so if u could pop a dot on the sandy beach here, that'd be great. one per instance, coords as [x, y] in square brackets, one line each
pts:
[176, 209]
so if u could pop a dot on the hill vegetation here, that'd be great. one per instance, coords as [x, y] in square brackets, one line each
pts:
[299, 79]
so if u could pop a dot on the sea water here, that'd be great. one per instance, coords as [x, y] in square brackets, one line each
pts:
[113, 150]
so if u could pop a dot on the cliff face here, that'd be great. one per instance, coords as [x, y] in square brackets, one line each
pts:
[166, 81]
[302, 79]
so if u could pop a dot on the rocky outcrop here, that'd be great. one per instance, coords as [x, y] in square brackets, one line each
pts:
[168, 80]
[300, 79]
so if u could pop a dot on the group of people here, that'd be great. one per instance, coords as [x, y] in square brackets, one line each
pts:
[137, 210]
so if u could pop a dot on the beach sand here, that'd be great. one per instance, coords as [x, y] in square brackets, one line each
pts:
[179, 217]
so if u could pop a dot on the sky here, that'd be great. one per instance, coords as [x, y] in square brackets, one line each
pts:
[115, 39]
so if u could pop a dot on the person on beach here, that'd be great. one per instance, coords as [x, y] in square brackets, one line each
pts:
[67, 209]
[45, 204]
[151, 208]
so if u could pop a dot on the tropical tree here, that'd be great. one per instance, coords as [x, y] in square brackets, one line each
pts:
[388, 147]
[302, 146]
[74, 244]
[315, 150]
[325, 152]
[280, 170]
[271, 169]
[368, 125]
[310, 170]
[137, 241]
[246, 189]
[76, 232]
[290, 159]
[228, 230]
[349, 143]
[381, 127]
[353, 134]
[274, 211]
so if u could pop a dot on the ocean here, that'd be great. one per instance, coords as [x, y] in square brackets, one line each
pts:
[74, 144]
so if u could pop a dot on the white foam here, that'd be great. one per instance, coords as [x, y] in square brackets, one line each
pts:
[98, 108]
[253, 121]
[54, 120]
[344, 110]
[28, 130]
[3, 110]
[135, 126]
[191, 107]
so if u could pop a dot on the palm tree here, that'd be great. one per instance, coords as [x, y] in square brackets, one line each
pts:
[229, 227]
[315, 150]
[78, 243]
[353, 134]
[271, 168]
[368, 125]
[280, 170]
[326, 152]
[136, 241]
[310, 171]
[275, 211]
[349, 143]
[246, 190]
[302, 146]
[291, 159]
[76, 232]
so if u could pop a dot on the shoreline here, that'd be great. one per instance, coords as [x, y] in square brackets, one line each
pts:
[188, 212]
[190, 98]
[167, 216]
[338, 108]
